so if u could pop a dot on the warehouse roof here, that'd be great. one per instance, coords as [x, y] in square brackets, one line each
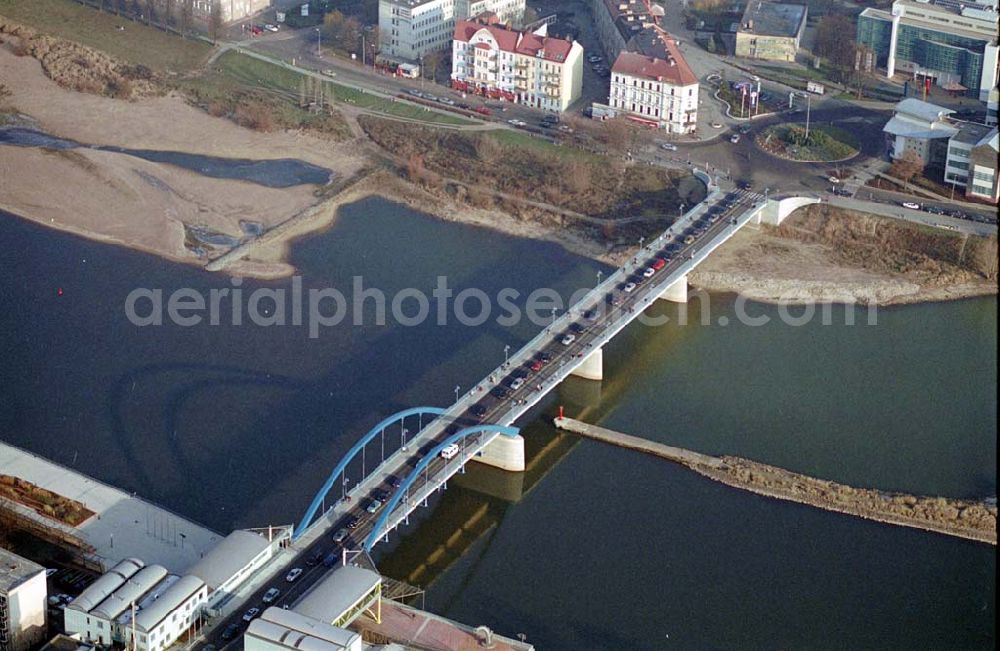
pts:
[232, 554]
[167, 602]
[130, 591]
[110, 581]
[338, 593]
[297, 631]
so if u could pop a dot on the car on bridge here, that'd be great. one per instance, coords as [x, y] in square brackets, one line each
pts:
[270, 595]
[341, 535]
[393, 481]
[315, 558]
[501, 392]
[373, 506]
[294, 574]
[250, 614]
[537, 365]
[478, 410]
[629, 287]
[450, 451]
[649, 272]
[352, 522]
[658, 264]
[516, 383]
[567, 339]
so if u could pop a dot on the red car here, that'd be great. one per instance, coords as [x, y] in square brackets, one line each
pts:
[483, 110]
[658, 264]
[537, 365]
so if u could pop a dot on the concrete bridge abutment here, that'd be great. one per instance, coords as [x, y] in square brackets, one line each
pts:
[678, 292]
[504, 452]
[592, 367]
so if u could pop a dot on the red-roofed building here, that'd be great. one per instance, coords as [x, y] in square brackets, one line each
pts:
[526, 67]
[660, 92]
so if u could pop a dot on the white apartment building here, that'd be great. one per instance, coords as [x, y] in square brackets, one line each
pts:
[659, 92]
[530, 68]
[409, 29]
[230, 10]
[23, 594]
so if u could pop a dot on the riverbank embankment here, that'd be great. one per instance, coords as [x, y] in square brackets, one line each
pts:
[954, 517]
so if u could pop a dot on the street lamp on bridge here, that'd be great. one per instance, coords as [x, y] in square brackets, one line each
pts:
[457, 389]
[318, 39]
[506, 354]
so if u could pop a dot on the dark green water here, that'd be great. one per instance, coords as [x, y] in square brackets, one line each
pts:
[606, 549]
[615, 550]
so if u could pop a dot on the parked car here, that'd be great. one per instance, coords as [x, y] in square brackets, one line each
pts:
[648, 273]
[658, 264]
[414, 92]
[270, 595]
[567, 339]
[744, 129]
[668, 146]
[517, 123]
[629, 288]
[373, 506]
[911, 205]
[292, 575]
[536, 365]
[516, 383]
[250, 614]
[353, 521]
[271, 28]
[735, 138]
[833, 179]
[483, 110]
[230, 631]
[593, 58]
[393, 481]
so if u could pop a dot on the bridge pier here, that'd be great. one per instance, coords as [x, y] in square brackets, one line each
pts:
[592, 367]
[678, 292]
[504, 452]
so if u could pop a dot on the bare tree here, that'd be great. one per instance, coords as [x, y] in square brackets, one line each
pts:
[186, 14]
[907, 166]
[833, 45]
[618, 135]
[215, 20]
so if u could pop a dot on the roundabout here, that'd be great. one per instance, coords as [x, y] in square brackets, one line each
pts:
[821, 144]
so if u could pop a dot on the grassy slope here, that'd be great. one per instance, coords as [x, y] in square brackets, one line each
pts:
[253, 72]
[135, 44]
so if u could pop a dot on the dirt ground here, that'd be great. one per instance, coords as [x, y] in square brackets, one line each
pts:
[765, 264]
[119, 198]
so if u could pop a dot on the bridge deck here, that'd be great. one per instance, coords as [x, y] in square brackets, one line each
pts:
[593, 321]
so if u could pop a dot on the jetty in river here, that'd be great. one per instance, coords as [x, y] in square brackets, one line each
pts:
[970, 519]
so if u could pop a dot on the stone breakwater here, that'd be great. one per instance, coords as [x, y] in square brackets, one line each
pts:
[968, 519]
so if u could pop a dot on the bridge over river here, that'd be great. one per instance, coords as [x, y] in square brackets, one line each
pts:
[398, 465]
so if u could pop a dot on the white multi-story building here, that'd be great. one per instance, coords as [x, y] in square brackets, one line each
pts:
[23, 595]
[138, 605]
[661, 92]
[229, 10]
[972, 160]
[410, 29]
[530, 68]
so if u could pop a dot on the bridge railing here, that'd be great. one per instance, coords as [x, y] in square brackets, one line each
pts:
[590, 299]
[380, 528]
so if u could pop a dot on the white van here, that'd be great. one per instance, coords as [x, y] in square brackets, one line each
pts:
[450, 451]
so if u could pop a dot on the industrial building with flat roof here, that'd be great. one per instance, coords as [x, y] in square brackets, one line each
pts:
[23, 595]
[771, 31]
[952, 44]
[227, 565]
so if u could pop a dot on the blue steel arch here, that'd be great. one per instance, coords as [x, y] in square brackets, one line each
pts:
[398, 495]
[347, 458]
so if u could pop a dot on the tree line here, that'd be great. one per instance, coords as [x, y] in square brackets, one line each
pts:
[174, 15]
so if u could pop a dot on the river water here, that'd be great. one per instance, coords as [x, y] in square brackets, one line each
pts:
[593, 548]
